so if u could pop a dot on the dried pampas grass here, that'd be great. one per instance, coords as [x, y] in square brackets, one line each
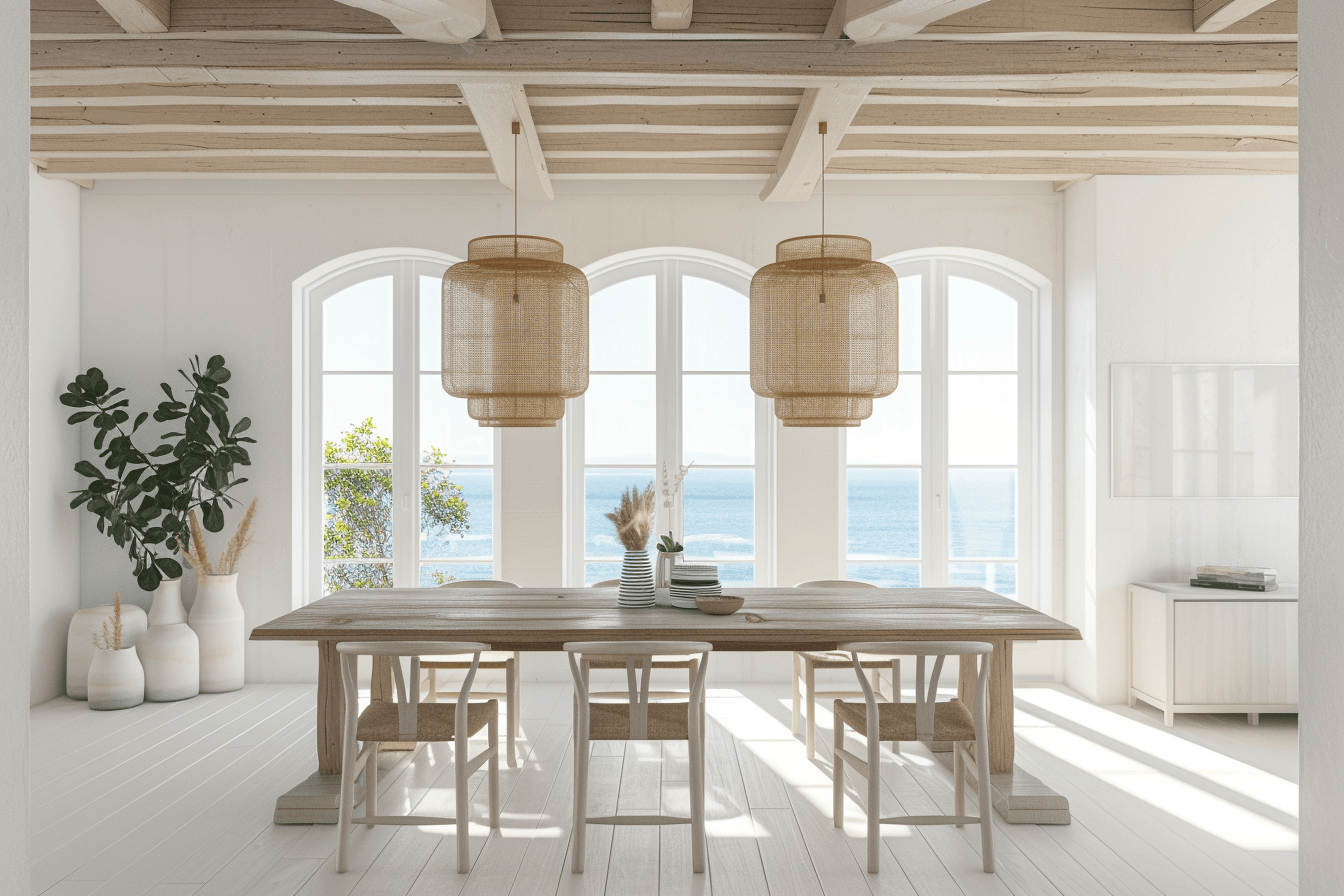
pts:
[199, 559]
[111, 633]
[195, 553]
[633, 517]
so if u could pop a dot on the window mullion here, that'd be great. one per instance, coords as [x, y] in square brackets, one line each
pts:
[405, 429]
[668, 390]
[936, 505]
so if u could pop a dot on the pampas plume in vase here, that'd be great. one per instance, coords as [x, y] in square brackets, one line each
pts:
[116, 678]
[217, 614]
[633, 519]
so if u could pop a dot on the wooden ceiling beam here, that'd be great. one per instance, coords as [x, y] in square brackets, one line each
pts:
[139, 16]
[438, 21]
[874, 21]
[496, 106]
[805, 151]
[670, 15]
[1216, 15]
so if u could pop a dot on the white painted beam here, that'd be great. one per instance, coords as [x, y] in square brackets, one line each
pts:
[492, 31]
[872, 21]
[139, 16]
[496, 106]
[801, 160]
[670, 15]
[1215, 15]
[440, 21]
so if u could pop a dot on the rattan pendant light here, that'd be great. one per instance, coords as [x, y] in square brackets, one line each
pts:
[824, 328]
[515, 327]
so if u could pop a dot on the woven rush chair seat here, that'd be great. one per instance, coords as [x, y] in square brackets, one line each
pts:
[611, 721]
[834, 659]
[952, 721]
[494, 659]
[435, 722]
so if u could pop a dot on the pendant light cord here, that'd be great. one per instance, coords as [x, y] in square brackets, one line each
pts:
[821, 129]
[517, 309]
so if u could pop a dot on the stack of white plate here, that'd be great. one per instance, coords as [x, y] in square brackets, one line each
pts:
[692, 580]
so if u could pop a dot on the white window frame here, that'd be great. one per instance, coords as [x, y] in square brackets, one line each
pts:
[1034, 482]
[406, 266]
[669, 266]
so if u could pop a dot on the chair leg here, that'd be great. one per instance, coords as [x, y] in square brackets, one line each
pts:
[896, 696]
[461, 756]
[810, 689]
[518, 692]
[986, 808]
[838, 775]
[580, 800]
[874, 800]
[371, 783]
[349, 769]
[958, 781]
[511, 708]
[492, 768]
[797, 674]
[697, 757]
[433, 695]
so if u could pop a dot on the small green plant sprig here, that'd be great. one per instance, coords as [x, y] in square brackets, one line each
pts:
[668, 545]
[145, 502]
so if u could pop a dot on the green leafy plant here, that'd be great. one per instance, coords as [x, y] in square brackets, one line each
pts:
[359, 503]
[143, 500]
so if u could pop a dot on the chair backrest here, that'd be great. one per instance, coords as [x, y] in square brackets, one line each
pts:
[638, 655]
[478, 583]
[606, 583]
[835, 583]
[926, 689]
[408, 698]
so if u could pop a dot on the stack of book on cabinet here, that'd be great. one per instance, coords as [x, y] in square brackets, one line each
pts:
[1236, 578]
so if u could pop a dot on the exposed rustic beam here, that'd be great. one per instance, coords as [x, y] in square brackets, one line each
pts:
[872, 21]
[937, 65]
[835, 25]
[1215, 15]
[139, 16]
[492, 31]
[496, 106]
[806, 152]
[440, 21]
[670, 15]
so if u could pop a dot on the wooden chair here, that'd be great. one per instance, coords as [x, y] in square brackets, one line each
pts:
[690, 663]
[638, 717]
[924, 720]
[495, 659]
[410, 721]
[806, 664]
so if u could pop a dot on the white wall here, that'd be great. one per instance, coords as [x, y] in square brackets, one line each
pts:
[54, 345]
[1321, 612]
[173, 268]
[1166, 270]
[14, 452]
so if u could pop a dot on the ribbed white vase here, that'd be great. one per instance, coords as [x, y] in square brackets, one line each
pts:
[169, 649]
[79, 643]
[116, 679]
[636, 581]
[217, 619]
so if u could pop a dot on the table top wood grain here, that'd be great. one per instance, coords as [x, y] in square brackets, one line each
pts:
[771, 619]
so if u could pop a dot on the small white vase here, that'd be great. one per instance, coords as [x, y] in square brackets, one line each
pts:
[79, 643]
[217, 619]
[116, 679]
[662, 577]
[170, 650]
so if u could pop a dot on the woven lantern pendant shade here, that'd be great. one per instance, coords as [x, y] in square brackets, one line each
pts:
[824, 328]
[515, 331]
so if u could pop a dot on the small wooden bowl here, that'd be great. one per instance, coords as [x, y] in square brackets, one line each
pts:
[723, 605]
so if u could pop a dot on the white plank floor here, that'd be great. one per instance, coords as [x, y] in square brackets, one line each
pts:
[176, 800]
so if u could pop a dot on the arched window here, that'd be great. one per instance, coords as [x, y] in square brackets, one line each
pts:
[942, 484]
[398, 483]
[670, 385]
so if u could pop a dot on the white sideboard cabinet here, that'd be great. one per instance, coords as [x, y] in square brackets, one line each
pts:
[1209, 650]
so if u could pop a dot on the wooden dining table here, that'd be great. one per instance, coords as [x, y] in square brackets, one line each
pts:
[772, 619]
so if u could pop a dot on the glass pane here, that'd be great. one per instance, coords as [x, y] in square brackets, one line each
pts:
[718, 419]
[883, 511]
[357, 412]
[982, 419]
[719, 513]
[892, 434]
[357, 521]
[714, 326]
[742, 575]
[456, 514]
[911, 342]
[357, 327]
[885, 575]
[431, 323]
[620, 420]
[981, 327]
[601, 492]
[997, 577]
[600, 572]
[622, 326]
[447, 434]
[336, 576]
[982, 507]
[433, 575]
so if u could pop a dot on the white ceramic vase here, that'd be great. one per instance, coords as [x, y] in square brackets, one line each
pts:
[169, 649]
[79, 647]
[116, 678]
[662, 577]
[217, 619]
